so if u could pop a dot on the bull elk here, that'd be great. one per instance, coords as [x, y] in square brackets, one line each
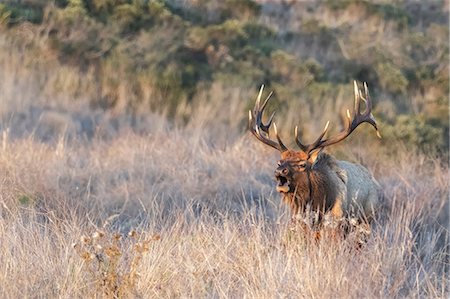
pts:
[312, 179]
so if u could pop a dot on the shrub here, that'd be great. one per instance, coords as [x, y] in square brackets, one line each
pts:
[110, 261]
[391, 78]
[418, 133]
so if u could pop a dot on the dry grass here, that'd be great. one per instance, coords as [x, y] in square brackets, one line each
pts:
[223, 231]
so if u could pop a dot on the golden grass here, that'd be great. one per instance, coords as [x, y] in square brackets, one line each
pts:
[223, 231]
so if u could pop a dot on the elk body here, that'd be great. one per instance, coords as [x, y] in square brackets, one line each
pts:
[312, 179]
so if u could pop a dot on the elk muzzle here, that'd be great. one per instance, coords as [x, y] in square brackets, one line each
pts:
[282, 175]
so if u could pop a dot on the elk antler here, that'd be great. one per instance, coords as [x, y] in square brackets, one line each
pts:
[261, 130]
[351, 124]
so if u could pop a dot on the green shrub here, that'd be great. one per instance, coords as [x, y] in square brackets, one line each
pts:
[17, 13]
[391, 78]
[418, 133]
[5, 14]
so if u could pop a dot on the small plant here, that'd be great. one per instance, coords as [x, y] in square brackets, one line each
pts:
[111, 260]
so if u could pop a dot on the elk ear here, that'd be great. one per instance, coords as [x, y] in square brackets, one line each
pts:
[314, 155]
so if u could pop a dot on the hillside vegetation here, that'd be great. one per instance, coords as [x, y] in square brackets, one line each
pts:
[170, 56]
[126, 167]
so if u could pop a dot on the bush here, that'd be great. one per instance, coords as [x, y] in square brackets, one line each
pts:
[391, 78]
[417, 133]
[5, 14]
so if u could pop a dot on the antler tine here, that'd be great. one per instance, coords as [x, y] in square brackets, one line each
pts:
[278, 137]
[256, 109]
[367, 115]
[261, 130]
[368, 103]
[258, 99]
[368, 110]
[264, 127]
[319, 140]
[310, 147]
[359, 97]
[357, 93]
[297, 140]
[266, 101]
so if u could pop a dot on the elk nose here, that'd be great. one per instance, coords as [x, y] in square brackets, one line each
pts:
[281, 171]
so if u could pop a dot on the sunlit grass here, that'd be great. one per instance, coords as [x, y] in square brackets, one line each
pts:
[223, 232]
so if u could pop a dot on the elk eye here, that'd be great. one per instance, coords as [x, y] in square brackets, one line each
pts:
[302, 164]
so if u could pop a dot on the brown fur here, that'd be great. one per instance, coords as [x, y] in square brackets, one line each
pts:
[315, 183]
[325, 186]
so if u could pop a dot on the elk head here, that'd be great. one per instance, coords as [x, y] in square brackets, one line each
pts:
[297, 171]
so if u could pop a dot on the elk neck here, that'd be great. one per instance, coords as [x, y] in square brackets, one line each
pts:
[310, 187]
[315, 187]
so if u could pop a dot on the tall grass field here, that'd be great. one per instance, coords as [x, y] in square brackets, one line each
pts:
[101, 203]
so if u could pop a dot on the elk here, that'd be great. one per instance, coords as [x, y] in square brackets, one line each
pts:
[312, 179]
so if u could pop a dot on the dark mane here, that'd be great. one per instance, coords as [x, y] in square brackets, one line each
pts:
[315, 187]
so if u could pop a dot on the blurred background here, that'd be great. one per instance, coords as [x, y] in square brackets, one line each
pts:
[87, 68]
